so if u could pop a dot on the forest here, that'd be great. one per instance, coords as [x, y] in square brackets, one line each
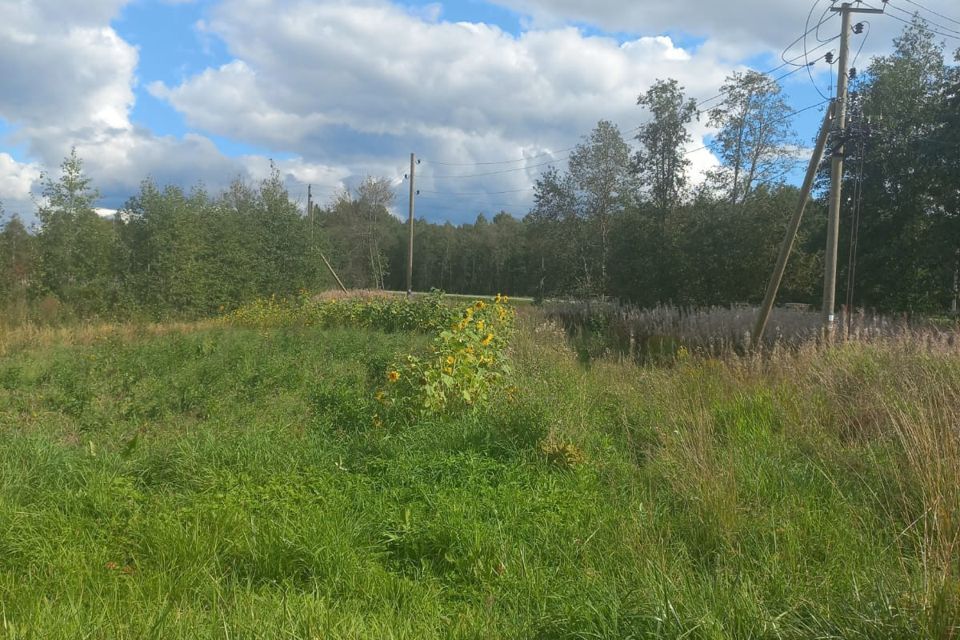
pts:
[622, 220]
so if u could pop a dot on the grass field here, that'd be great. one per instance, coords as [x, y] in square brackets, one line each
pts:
[209, 481]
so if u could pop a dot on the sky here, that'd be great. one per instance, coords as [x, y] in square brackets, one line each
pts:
[487, 93]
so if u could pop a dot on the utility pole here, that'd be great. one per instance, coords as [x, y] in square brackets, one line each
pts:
[787, 246]
[310, 210]
[836, 168]
[410, 250]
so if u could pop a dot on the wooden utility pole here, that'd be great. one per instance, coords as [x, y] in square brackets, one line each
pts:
[310, 210]
[410, 249]
[787, 245]
[333, 273]
[836, 169]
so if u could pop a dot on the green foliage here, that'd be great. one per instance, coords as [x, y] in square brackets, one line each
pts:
[618, 222]
[242, 481]
[466, 367]
[428, 314]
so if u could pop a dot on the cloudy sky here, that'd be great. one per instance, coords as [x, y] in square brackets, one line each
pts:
[486, 92]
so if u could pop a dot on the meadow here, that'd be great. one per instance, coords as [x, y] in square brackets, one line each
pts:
[263, 476]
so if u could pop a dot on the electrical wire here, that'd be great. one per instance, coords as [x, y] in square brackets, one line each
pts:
[502, 171]
[917, 4]
[801, 37]
[475, 194]
[698, 104]
[806, 53]
[916, 14]
[855, 232]
[866, 35]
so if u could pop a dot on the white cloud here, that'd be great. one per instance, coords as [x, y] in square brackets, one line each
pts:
[361, 84]
[739, 28]
[16, 181]
[68, 81]
[351, 87]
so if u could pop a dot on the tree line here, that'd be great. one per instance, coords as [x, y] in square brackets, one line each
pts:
[622, 220]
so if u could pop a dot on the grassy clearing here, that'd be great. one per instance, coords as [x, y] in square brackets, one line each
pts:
[224, 482]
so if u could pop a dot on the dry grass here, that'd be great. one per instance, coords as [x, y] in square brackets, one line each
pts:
[660, 331]
[87, 333]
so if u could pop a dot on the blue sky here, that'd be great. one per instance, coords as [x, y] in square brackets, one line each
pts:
[332, 91]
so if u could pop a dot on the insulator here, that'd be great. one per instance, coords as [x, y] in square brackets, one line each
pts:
[828, 56]
[853, 73]
[858, 28]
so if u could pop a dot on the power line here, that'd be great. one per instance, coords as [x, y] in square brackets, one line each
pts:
[919, 17]
[866, 35]
[806, 58]
[502, 171]
[697, 103]
[495, 162]
[792, 61]
[803, 36]
[916, 14]
[917, 4]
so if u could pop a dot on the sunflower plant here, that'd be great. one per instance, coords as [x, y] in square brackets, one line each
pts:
[467, 362]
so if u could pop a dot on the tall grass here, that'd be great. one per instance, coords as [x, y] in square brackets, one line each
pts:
[660, 331]
[224, 482]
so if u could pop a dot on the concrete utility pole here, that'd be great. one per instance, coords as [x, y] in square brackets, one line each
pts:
[787, 246]
[410, 250]
[836, 169]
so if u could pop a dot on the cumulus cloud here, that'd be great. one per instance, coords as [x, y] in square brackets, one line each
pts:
[68, 81]
[357, 83]
[16, 181]
[737, 28]
[344, 89]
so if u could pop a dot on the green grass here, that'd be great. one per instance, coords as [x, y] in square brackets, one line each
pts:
[231, 483]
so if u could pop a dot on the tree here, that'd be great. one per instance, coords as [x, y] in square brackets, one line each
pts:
[76, 245]
[661, 162]
[603, 184]
[555, 235]
[16, 260]
[754, 138]
[908, 235]
[365, 231]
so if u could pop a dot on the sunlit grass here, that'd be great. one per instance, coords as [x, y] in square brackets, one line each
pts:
[217, 482]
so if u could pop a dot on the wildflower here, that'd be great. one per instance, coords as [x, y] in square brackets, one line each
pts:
[480, 325]
[448, 371]
[480, 305]
[393, 376]
[450, 360]
[113, 566]
[380, 395]
[487, 340]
